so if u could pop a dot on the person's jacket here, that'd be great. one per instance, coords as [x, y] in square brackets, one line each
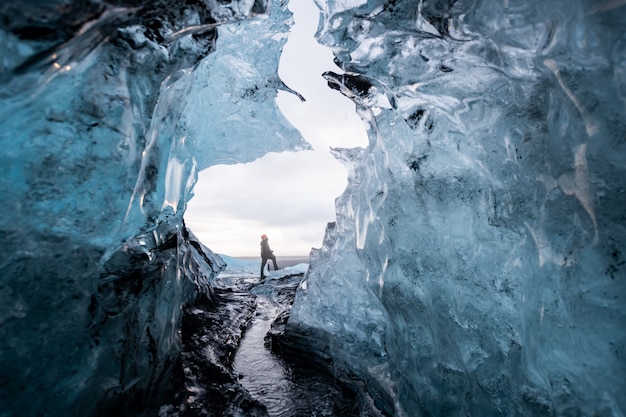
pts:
[265, 248]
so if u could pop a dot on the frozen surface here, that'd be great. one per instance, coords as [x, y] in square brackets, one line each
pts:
[477, 264]
[108, 109]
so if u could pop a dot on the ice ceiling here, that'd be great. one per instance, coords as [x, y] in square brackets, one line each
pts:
[476, 266]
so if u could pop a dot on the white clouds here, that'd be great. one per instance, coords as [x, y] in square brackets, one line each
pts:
[288, 196]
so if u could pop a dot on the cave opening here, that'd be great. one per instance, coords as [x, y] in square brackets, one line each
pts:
[289, 196]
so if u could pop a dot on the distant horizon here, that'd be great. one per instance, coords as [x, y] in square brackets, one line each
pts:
[259, 257]
[283, 261]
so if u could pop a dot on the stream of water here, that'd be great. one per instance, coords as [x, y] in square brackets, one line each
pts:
[261, 372]
[290, 388]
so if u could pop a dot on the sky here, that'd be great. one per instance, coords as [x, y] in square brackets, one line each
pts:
[289, 196]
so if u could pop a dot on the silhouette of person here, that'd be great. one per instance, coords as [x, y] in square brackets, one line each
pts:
[266, 253]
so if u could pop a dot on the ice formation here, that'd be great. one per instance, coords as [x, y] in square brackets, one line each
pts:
[476, 266]
[108, 110]
[477, 263]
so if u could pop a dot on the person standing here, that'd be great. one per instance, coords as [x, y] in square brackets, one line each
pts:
[266, 253]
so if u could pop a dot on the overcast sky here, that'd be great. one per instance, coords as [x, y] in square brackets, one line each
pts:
[288, 196]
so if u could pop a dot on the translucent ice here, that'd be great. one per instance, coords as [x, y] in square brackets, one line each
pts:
[477, 264]
[107, 110]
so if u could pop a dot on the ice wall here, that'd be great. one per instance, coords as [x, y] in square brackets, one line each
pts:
[477, 265]
[108, 109]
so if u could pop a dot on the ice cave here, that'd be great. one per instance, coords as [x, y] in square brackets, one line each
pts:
[477, 264]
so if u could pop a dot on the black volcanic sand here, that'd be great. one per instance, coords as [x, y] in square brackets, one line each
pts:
[212, 332]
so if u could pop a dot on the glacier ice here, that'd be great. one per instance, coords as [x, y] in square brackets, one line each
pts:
[108, 110]
[476, 266]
